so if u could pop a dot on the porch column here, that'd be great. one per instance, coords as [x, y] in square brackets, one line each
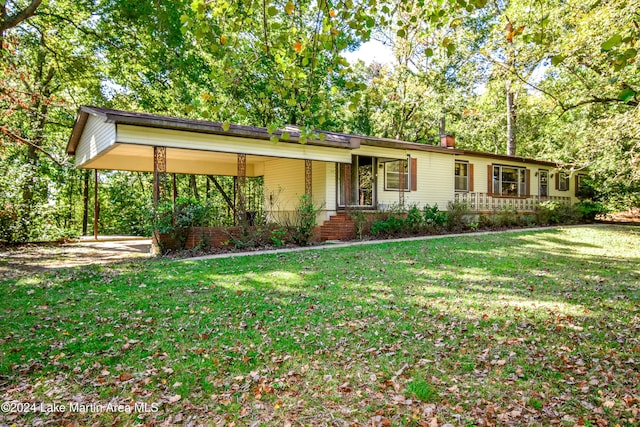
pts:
[347, 184]
[401, 183]
[159, 174]
[241, 184]
[307, 177]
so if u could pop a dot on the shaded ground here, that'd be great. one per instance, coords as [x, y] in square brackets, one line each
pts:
[17, 261]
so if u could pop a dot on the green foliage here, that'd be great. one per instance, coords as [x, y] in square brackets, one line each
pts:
[278, 237]
[507, 217]
[414, 220]
[433, 217]
[392, 225]
[11, 228]
[458, 216]
[552, 212]
[305, 220]
[360, 221]
[589, 210]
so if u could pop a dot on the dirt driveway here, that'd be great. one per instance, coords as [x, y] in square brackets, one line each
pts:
[31, 258]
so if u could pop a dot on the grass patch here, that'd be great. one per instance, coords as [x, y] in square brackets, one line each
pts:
[420, 389]
[530, 328]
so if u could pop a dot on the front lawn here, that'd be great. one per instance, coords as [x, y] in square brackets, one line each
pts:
[538, 328]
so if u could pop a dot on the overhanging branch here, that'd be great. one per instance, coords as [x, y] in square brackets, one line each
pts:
[21, 140]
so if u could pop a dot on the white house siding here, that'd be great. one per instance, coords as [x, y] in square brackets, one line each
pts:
[480, 178]
[96, 138]
[227, 144]
[435, 181]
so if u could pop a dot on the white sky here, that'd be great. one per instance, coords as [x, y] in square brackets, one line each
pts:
[371, 51]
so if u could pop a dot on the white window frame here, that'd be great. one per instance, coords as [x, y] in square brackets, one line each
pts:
[456, 177]
[521, 180]
[563, 181]
[407, 183]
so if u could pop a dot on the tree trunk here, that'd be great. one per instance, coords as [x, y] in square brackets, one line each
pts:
[511, 121]
[194, 186]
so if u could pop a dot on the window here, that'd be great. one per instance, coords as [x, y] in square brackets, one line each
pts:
[543, 183]
[462, 176]
[509, 181]
[562, 181]
[392, 174]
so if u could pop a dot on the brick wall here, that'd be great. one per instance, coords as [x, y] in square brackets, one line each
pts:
[214, 236]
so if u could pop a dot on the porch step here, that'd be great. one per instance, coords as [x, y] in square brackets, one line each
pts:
[338, 227]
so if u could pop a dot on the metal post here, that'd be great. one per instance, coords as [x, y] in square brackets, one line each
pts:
[242, 183]
[96, 206]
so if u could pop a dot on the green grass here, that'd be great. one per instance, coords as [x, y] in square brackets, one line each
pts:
[528, 328]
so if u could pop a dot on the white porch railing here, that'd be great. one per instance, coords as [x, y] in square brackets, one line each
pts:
[479, 202]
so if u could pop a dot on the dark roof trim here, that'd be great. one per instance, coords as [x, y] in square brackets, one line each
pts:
[403, 145]
[506, 158]
[332, 139]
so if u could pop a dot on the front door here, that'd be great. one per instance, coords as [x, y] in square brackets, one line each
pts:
[356, 184]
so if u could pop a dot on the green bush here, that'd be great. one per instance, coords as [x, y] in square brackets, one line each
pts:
[433, 217]
[305, 220]
[390, 226]
[278, 237]
[10, 224]
[360, 221]
[458, 216]
[552, 212]
[589, 210]
[507, 217]
[414, 219]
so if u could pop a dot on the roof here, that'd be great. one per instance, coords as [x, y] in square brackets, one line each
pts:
[331, 139]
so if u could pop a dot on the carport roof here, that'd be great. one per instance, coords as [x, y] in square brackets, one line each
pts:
[332, 139]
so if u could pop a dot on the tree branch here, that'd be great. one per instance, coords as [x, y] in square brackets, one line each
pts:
[21, 140]
[26, 13]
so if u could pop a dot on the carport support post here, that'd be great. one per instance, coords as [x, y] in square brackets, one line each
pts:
[241, 181]
[159, 173]
[96, 206]
[308, 177]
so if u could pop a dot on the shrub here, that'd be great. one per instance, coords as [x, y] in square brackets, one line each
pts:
[589, 210]
[10, 224]
[552, 212]
[507, 217]
[360, 221]
[414, 219]
[305, 220]
[278, 237]
[433, 217]
[458, 214]
[390, 226]
[486, 221]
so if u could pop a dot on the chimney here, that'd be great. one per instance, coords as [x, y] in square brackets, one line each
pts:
[447, 141]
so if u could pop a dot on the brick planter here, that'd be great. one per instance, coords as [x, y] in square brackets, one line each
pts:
[211, 236]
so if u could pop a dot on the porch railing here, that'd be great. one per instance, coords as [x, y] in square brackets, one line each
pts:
[479, 202]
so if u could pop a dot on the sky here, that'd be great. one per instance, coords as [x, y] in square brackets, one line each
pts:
[371, 51]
